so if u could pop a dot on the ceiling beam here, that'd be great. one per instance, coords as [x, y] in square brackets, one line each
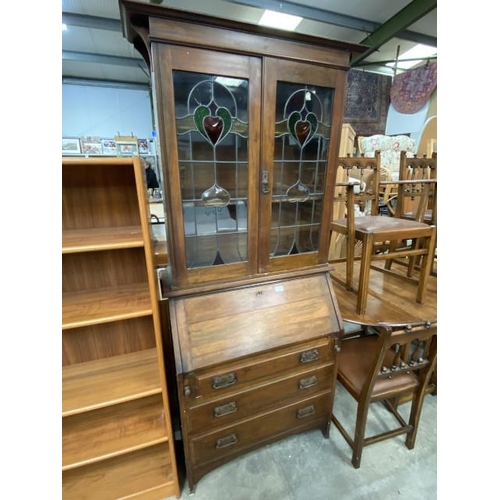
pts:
[71, 55]
[336, 19]
[312, 13]
[395, 26]
[83, 21]
[89, 82]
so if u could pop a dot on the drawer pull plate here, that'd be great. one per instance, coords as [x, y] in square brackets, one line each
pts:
[308, 356]
[226, 441]
[220, 411]
[224, 380]
[305, 412]
[305, 383]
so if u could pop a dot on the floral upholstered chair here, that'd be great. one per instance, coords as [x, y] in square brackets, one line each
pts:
[390, 147]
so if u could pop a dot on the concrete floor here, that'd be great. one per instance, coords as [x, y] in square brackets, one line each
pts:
[310, 467]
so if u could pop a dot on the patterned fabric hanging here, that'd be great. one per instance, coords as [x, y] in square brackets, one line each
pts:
[411, 90]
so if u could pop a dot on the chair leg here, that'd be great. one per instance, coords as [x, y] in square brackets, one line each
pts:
[415, 244]
[426, 267]
[359, 434]
[349, 263]
[392, 247]
[414, 420]
[416, 406]
[364, 274]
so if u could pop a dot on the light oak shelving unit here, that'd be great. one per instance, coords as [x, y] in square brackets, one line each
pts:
[117, 438]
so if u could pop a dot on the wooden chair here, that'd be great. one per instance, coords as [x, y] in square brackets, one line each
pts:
[416, 198]
[376, 232]
[417, 171]
[394, 362]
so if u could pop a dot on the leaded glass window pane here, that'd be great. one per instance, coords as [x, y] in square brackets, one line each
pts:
[212, 136]
[302, 132]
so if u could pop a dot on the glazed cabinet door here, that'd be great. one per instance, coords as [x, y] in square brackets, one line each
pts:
[209, 104]
[302, 111]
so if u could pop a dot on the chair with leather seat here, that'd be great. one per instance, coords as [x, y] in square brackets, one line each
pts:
[378, 233]
[416, 198]
[419, 171]
[391, 363]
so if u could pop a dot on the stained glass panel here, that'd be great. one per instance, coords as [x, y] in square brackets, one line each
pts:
[302, 131]
[212, 137]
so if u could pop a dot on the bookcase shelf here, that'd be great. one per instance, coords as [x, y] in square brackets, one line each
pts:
[100, 306]
[102, 238]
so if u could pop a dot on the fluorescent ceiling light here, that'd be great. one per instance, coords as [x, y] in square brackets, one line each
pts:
[279, 20]
[228, 82]
[418, 54]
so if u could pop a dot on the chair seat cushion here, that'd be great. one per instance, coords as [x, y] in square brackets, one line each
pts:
[411, 215]
[356, 358]
[379, 223]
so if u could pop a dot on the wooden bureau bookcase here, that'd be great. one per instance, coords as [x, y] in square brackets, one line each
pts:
[249, 124]
[117, 437]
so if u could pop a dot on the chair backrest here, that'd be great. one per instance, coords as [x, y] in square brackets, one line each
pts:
[417, 198]
[401, 350]
[367, 172]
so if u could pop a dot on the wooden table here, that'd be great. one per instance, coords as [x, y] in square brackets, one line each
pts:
[391, 299]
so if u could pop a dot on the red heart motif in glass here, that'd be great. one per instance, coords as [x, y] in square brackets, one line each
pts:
[302, 129]
[214, 126]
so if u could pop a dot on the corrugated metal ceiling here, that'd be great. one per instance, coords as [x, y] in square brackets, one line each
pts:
[93, 47]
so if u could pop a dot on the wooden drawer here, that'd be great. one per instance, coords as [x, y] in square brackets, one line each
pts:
[233, 375]
[257, 398]
[236, 438]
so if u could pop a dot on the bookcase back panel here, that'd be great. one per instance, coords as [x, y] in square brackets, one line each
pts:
[110, 268]
[107, 339]
[99, 197]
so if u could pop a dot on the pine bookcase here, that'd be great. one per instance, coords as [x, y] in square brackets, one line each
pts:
[117, 438]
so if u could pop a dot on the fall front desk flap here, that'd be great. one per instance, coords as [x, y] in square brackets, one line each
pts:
[216, 327]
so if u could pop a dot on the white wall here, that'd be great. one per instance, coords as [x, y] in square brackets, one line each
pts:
[413, 124]
[401, 123]
[105, 112]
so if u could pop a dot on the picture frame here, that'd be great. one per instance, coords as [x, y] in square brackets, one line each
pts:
[127, 150]
[143, 146]
[91, 145]
[71, 146]
[108, 147]
[126, 145]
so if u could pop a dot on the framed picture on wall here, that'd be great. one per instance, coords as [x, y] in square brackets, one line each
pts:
[91, 145]
[126, 145]
[143, 146]
[127, 150]
[71, 146]
[108, 147]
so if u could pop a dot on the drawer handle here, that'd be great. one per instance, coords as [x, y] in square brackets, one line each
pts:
[305, 383]
[220, 411]
[305, 412]
[224, 380]
[226, 441]
[308, 356]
